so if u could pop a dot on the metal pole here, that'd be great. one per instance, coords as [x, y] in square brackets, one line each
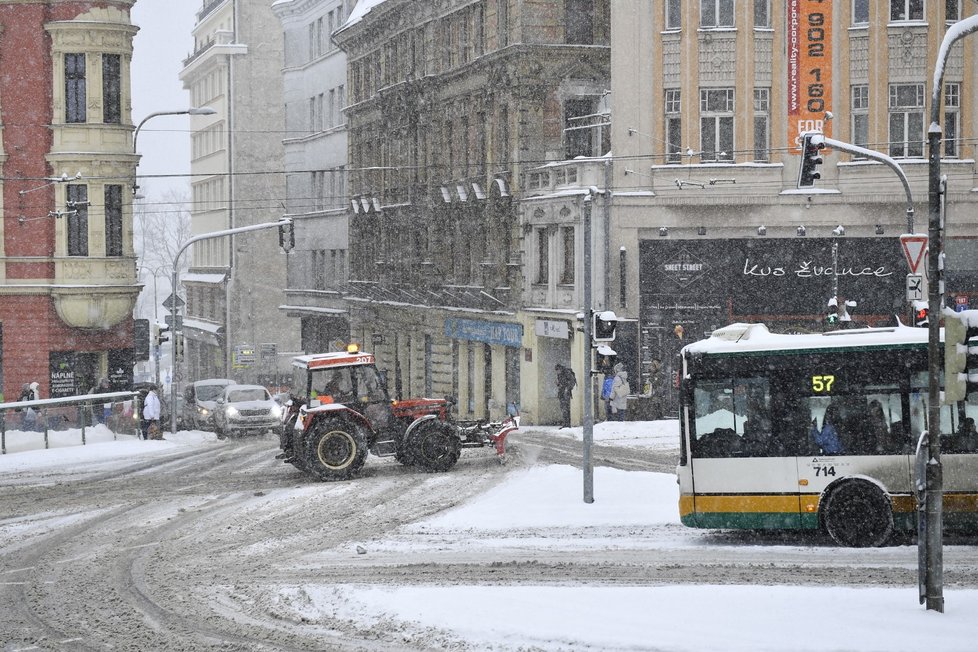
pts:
[588, 395]
[934, 496]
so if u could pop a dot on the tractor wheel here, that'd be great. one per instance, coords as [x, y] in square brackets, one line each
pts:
[335, 450]
[858, 514]
[434, 446]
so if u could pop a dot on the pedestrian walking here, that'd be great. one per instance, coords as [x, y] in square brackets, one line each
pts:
[30, 392]
[566, 382]
[620, 390]
[102, 414]
[151, 415]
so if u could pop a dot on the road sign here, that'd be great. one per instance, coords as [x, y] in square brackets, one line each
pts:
[172, 300]
[915, 287]
[914, 249]
[169, 322]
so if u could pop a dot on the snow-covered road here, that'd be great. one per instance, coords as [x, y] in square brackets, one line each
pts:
[195, 544]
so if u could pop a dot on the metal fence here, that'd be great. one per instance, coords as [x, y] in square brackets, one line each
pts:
[114, 409]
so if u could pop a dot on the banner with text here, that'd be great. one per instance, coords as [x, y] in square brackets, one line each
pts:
[809, 68]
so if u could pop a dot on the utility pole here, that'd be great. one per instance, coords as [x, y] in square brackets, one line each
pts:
[588, 425]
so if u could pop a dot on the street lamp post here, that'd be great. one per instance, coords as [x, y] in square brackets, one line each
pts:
[203, 110]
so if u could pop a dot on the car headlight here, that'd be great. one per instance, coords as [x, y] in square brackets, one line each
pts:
[277, 411]
[203, 411]
[231, 411]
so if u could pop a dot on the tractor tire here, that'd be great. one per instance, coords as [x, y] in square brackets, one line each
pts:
[858, 514]
[433, 446]
[335, 449]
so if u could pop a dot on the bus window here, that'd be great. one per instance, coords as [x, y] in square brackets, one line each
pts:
[866, 420]
[732, 417]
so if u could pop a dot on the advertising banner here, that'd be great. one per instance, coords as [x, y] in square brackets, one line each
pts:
[809, 68]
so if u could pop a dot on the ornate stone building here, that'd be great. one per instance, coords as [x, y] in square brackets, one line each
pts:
[708, 105]
[68, 274]
[449, 103]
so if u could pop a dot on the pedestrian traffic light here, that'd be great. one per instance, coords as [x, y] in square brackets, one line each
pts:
[921, 316]
[603, 326]
[832, 317]
[161, 335]
[811, 158]
[960, 355]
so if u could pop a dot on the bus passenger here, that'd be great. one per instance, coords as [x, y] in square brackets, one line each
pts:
[877, 431]
[827, 439]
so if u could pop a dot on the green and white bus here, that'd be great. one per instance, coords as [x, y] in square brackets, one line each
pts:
[816, 431]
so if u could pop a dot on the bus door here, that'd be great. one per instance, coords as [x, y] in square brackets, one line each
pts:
[959, 462]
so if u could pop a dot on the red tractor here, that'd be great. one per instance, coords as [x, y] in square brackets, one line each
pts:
[340, 409]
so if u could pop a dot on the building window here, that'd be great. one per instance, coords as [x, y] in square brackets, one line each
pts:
[860, 115]
[716, 123]
[952, 10]
[762, 118]
[75, 102]
[716, 13]
[113, 220]
[952, 108]
[860, 12]
[77, 196]
[674, 14]
[567, 255]
[906, 10]
[111, 89]
[543, 257]
[762, 13]
[578, 132]
[906, 120]
[674, 136]
[579, 18]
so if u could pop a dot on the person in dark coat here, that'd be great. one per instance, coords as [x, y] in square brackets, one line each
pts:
[566, 382]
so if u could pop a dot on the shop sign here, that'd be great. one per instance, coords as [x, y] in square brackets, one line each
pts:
[552, 328]
[490, 332]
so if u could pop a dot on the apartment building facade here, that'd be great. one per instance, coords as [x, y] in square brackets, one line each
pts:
[68, 280]
[317, 200]
[232, 324]
[709, 102]
[448, 105]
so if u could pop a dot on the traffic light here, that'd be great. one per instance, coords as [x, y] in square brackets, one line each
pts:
[921, 316]
[286, 236]
[161, 335]
[603, 326]
[178, 342]
[832, 317]
[811, 158]
[960, 358]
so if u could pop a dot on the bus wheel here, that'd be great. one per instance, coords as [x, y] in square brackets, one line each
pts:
[858, 514]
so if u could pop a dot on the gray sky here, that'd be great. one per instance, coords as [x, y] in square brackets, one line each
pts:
[164, 40]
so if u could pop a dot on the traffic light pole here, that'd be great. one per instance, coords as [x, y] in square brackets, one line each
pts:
[588, 417]
[933, 565]
[284, 222]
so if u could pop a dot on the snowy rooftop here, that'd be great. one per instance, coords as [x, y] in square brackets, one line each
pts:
[737, 338]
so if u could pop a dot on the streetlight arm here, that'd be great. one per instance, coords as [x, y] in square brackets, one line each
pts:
[204, 110]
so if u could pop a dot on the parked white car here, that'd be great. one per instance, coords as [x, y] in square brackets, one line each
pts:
[246, 409]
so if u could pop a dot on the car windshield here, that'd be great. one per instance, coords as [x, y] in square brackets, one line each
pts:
[209, 392]
[251, 394]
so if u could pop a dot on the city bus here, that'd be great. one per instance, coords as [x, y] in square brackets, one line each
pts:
[816, 431]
